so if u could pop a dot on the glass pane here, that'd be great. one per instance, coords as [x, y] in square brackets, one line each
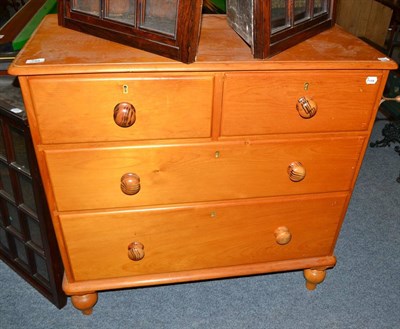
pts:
[41, 267]
[6, 179]
[13, 217]
[279, 17]
[160, 16]
[301, 11]
[3, 239]
[34, 231]
[122, 11]
[21, 156]
[87, 6]
[27, 192]
[21, 251]
[2, 145]
[320, 7]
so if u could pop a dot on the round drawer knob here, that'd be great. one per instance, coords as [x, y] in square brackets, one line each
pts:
[124, 114]
[296, 171]
[282, 235]
[130, 184]
[306, 107]
[136, 251]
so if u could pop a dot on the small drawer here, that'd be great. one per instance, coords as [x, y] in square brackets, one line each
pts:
[170, 174]
[161, 240]
[74, 110]
[294, 102]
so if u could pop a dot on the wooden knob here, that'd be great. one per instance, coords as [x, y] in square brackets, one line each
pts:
[130, 184]
[136, 251]
[124, 114]
[282, 235]
[296, 171]
[306, 107]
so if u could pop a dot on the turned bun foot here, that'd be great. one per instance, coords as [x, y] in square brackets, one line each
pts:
[84, 303]
[313, 278]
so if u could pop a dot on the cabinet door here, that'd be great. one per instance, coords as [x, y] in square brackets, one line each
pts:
[27, 240]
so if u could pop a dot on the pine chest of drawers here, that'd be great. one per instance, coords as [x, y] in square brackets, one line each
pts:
[162, 172]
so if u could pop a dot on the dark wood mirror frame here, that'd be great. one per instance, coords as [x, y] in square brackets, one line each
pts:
[266, 42]
[181, 46]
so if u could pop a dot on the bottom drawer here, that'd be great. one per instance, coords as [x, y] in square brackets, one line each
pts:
[201, 236]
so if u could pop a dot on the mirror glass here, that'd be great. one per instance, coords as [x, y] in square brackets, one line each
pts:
[123, 11]
[91, 7]
[160, 16]
[301, 10]
[279, 17]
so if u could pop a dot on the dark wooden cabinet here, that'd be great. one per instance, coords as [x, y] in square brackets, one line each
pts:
[169, 28]
[27, 240]
[271, 26]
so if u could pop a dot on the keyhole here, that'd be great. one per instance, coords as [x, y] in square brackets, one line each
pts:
[125, 89]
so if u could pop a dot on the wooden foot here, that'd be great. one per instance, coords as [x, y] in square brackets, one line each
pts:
[313, 277]
[84, 303]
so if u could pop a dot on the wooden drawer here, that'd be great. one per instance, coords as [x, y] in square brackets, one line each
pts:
[199, 237]
[91, 178]
[265, 103]
[81, 109]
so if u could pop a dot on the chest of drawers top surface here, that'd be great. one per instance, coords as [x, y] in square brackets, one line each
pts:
[55, 50]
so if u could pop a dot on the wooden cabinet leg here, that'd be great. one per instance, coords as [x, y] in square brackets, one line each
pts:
[313, 277]
[84, 303]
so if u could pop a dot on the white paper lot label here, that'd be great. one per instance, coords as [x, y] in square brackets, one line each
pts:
[371, 80]
[35, 61]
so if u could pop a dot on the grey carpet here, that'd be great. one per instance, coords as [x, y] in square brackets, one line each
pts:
[362, 291]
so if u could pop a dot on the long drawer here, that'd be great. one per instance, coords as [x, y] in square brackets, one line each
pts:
[90, 109]
[265, 103]
[170, 174]
[200, 237]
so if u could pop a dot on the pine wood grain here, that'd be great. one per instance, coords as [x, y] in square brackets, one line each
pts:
[220, 48]
[189, 172]
[209, 236]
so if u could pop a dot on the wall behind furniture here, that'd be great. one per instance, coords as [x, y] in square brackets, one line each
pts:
[365, 18]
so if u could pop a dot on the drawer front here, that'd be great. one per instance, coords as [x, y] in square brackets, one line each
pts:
[266, 103]
[91, 178]
[200, 237]
[70, 110]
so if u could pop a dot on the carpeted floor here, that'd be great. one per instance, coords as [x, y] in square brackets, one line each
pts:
[362, 291]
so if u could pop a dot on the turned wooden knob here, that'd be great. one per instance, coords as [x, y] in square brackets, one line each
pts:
[136, 251]
[306, 107]
[124, 114]
[130, 183]
[282, 235]
[296, 171]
